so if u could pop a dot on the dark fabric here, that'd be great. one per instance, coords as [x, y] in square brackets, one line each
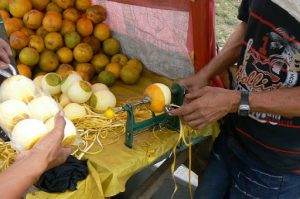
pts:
[63, 177]
[270, 59]
[243, 14]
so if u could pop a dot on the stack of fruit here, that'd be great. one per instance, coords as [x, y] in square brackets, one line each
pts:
[63, 36]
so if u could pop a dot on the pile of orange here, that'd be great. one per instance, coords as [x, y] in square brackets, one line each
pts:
[63, 36]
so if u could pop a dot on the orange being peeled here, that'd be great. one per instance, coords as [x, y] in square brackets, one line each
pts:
[160, 96]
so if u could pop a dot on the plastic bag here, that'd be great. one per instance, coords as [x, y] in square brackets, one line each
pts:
[27, 113]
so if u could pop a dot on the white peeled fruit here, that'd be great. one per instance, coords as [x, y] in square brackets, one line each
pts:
[43, 108]
[11, 112]
[64, 100]
[74, 111]
[51, 83]
[70, 132]
[18, 87]
[69, 80]
[38, 81]
[26, 133]
[99, 87]
[102, 100]
[80, 92]
[160, 96]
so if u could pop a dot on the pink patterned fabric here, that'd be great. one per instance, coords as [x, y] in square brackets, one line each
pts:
[161, 36]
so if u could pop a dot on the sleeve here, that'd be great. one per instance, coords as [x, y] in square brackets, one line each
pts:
[244, 8]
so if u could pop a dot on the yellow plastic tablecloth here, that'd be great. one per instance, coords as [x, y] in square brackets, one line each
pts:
[110, 170]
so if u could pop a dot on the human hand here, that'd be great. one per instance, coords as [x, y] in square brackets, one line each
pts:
[195, 82]
[48, 151]
[207, 105]
[5, 54]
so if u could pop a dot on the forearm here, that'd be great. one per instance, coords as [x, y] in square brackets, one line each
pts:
[229, 54]
[18, 178]
[283, 101]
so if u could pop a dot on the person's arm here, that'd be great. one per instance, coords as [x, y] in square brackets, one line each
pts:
[30, 165]
[226, 58]
[5, 53]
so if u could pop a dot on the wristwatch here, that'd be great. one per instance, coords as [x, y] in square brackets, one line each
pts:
[244, 108]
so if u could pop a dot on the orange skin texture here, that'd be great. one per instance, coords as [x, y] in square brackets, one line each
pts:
[157, 104]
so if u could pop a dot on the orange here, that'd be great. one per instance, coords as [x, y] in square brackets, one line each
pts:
[93, 42]
[84, 75]
[83, 53]
[65, 55]
[115, 68]
[64, 69]
[111, 46]
[67, 26]
[65, 3]
[52, 21]
[4, 14]
[83, 4]
[52, 6]
[4, 4]
[12, 24]
[136, 64]
[84, 27]
[18, 8]
[96, 14]
[120, 59]
[160, 96]
[72, 39]
[24, 70]
[86, 68]
[18, 40]
[129, 75]
[53, 41]
[71, 14]
[37, 43]
[29, 56]
[33, 19]
[41, 31]
[39, 4]
[99, 62]
[27, 31]
[102, 32]
[48, 61]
